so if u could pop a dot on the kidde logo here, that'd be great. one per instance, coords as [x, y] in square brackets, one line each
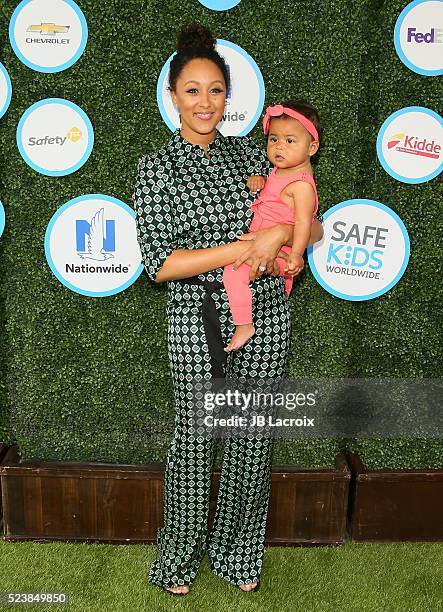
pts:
[409, 144]
[414, 145]
[74, 135]
[434, 36]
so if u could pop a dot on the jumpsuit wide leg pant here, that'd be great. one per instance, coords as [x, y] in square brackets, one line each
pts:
[235, 545]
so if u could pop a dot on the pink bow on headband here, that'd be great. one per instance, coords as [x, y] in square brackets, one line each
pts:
[279, 109]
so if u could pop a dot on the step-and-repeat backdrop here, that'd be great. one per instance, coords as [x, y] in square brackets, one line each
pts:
[91, 243]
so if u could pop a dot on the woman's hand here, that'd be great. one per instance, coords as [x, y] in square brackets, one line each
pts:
[265, 247]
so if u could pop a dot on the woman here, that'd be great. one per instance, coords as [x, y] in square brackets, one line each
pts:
[192, 202]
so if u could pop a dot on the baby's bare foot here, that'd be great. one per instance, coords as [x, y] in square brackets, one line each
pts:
[248, 587]
[178, 589]
[241, 335]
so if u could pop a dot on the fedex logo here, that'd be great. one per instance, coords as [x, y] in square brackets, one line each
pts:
[434, 36]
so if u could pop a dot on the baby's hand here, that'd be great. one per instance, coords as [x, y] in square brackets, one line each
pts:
[294, 265]
[256, 183]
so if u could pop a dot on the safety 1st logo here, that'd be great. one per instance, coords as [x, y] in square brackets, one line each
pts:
[414, 145]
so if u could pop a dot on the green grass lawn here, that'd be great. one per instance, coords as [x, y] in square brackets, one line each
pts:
[353, 577]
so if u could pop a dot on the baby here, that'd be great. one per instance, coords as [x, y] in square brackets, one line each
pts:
[289, 196]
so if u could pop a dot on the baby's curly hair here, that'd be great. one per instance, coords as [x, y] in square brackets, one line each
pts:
[307, 110]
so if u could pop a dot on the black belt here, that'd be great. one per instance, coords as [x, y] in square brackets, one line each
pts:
[211, 323]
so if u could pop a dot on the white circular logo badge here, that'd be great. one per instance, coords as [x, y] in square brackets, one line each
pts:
[244, 100]
[2, 218]
[409, 144]
[91, 245]
[5, 90]
[55, 137]
[364, 250]
[219, 5]
[48, 36]
[418, 37]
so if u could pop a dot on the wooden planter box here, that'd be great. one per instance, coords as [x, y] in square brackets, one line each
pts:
[3, 449]
[78, 501]
[395, 505]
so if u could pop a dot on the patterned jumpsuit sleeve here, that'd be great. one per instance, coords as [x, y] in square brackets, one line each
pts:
[183, 199]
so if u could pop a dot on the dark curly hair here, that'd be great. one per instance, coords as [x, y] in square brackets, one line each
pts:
[194, 41]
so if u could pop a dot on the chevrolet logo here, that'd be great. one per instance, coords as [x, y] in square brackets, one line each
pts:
[48, 28]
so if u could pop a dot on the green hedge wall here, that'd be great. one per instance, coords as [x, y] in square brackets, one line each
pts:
[88, 379]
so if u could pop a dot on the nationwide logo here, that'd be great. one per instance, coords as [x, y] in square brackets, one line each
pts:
[91, 245]
[100, 237]
[74, 135]
[95, 239]
[414, 145]
[50, 29]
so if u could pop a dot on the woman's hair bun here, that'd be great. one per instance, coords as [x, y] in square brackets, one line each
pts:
[195, 36]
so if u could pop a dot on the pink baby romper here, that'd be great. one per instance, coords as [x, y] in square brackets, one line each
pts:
[269, 210]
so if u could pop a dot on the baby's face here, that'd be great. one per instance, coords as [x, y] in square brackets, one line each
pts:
[289, 143]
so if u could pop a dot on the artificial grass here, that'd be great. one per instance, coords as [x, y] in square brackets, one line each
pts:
[359, 577]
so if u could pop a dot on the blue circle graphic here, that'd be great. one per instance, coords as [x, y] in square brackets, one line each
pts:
[369, 296]
[48, 69]
[219, 5]
[5, 106]
[2, 218]
[381, 134]
[82, 114]
[56, 215]
[397, 42]
[248, 58]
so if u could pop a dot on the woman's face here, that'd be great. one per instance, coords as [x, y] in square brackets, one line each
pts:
[200, 95]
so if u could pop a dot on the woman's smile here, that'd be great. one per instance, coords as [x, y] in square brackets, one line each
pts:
[206, 116]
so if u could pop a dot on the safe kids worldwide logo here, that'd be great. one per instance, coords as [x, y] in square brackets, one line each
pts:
[219, 5]
[5, 90]
[245, 98]
[55, 137]
[364, 251]
[91, 245]
[418, 37]
[409, 144]
[48, 36]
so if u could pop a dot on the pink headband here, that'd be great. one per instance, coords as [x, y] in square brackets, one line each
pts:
[279, 109]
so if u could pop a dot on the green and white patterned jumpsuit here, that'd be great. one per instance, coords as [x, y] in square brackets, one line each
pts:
[183, 200]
